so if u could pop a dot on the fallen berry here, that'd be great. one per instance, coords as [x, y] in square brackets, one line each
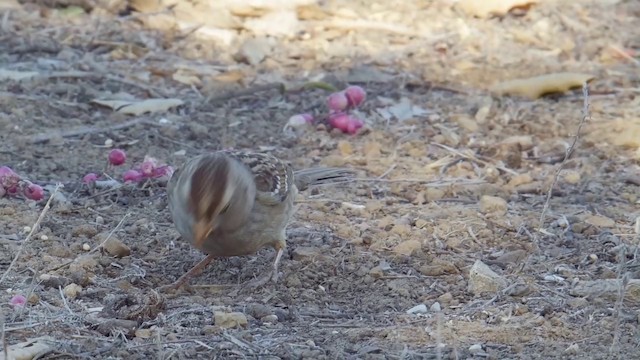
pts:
[90, 178]
[148, 166]
[132, 176]
[340, 121]
[337, 101]
[9, 179]
[34, 192]
[18, 301]
[163, 172]
[354, 125]
[355, 95]
[117, 157]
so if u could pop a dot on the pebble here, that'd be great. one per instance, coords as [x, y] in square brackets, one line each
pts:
[230, 320]
[72, 290]
[418, 309]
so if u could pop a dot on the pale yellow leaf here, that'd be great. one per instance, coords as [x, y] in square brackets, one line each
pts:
[486, 8]
[187, 78]
[27, 350]
[140, 107]
[538, 86]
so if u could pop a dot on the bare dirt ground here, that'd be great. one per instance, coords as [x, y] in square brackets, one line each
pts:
[360, 254]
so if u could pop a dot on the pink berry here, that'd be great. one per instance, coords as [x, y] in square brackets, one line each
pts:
[307, 117]
[90, 178]
[337, 101]
[8, 178]
[354, 125]
[18, 301]
[164, 172]
[117, 157]
[148, 166]
[34, 192]
[131, 176]
[355, 95]
[340, 121]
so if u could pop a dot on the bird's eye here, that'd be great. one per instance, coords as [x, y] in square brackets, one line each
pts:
[225, 208]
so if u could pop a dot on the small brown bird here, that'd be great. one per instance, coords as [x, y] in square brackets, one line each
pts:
[233, 203]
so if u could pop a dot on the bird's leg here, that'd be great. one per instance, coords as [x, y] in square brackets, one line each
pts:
[261, 281]
[280, 248]
[195, 270]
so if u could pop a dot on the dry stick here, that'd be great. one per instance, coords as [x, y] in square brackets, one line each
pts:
[34, 228]
[585, 117]
[623, 279]
[110, 233]
[42, 138]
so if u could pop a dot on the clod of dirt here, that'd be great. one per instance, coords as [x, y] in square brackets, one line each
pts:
[116, 248]
[72, 290]
[493, 205]
[483, 280]
[438, 267]
[609, 290]
[407, 247]
[230, 320]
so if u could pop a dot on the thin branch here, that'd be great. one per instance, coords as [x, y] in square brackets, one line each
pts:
[43, 138]
[34, 228]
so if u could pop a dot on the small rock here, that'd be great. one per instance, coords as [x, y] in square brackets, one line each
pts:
[572, 349]
[230, 320]
[445, 298]
[475, 349]
[608, 290]
[269, 319]
[72, 290]
[258, 311]
[253, 51]
[493, 204]
[116, 248]
[435, 307]
[572, 177]
[600, 221]
[520, 179]
[418, 309]
[407, 247]
[484, 280]
[439, 267]
[86, 247]
[305, 253]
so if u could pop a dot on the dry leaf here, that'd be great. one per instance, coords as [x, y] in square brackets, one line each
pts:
[538, 86]
[28, 350]
[402, 111]
[186, 77]
[16, 75]
[140, 107]
[486, 8]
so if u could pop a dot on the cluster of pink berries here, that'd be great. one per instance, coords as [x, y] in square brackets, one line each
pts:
[149, 168]
[13, 184]
[339, 103]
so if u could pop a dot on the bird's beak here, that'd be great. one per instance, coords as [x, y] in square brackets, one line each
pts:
[201, 231]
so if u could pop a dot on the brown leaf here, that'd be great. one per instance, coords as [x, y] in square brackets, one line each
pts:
[486, 8]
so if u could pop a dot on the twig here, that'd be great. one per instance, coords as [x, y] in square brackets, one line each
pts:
[42, 138]
[82, 74]
[110, 233]
[34, 228]
[585, 117]
[64, 300]
[623, 280]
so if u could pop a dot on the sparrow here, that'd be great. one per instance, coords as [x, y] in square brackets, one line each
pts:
[234, 203]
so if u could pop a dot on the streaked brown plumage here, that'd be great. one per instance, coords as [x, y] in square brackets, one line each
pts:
[232, 203]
